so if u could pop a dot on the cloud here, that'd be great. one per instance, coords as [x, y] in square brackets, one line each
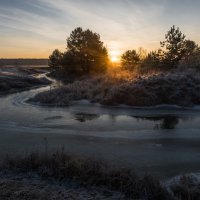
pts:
[122, 24]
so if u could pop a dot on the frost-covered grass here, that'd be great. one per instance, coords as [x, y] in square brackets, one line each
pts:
[62, 176]
[175, 87]
[16, 79]
[92, 88]
[30, 186]
[15, 83]
[88, 173]
[185, 187]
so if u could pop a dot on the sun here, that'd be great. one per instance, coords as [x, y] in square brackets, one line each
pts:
[114, 59]
[114, 56]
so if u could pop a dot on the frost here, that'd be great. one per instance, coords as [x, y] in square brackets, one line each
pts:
[175, 87]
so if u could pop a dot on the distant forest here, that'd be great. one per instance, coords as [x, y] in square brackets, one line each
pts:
[20, 61]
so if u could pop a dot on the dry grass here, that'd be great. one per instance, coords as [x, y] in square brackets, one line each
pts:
[187, 188]
[62, 167]
[15, 83]
[24, 187]
[86, 173]
[122, 87]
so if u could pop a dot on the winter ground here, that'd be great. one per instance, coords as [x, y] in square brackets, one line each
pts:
[16, 79]
[174, 88]
[41, 176]
[31, 186]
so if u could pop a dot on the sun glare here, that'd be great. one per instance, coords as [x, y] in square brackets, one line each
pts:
[114, 59]
[114, 56]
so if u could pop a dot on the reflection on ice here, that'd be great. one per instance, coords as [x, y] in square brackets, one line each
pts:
[53, 118]
[83, 117]
[162, 122]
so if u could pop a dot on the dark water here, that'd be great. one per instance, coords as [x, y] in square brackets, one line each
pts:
[164, 141]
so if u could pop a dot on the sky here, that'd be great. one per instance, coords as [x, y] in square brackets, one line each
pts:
[34, 28]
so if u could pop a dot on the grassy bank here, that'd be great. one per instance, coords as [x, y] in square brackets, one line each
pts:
[16, 79]
[32, 174]
[11, 84]
[175, 87]
[88, 173]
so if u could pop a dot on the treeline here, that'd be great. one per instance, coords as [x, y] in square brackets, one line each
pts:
[87, 54]
[16, 62]
[176, 51]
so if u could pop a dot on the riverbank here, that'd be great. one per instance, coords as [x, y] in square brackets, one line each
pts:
[174, 88]
[17, 79]
[11, 84]
[74, 172]
[61, 176]
[31, 186]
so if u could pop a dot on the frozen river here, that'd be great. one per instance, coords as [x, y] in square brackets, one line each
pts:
[164, 141]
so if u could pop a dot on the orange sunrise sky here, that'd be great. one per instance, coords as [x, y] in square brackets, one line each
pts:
[34, 28]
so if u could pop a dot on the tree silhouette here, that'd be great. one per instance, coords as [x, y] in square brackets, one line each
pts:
[142, 53]
[175, 51]
[174, 47]
[130, 59]
[191, 57]
[152, 62]
[190, 48]
[55, 59]
[86, 53]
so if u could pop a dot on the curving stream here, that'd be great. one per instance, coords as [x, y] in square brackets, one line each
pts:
[164, 141]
